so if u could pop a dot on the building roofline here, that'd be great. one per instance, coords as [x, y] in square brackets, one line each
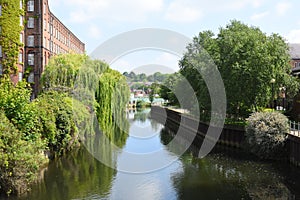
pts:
[52, 15]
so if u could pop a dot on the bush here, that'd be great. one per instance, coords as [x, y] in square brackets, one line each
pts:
[20, 160]
[142, 104]
[58, 120]
[15, 102]
[266, 133]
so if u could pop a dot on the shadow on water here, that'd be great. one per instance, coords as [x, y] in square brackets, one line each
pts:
[230, 173]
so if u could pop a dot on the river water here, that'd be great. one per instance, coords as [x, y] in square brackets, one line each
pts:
[223, 174]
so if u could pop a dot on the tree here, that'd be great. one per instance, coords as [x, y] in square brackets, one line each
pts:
[247, 59]
[112, 97]
[154, 90]
[167, 89]
[142, 77]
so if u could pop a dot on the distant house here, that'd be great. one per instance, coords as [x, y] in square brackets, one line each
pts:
[139, 93]
[295, 63]
[295, 58]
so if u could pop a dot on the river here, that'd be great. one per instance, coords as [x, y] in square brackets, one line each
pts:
[223, 174]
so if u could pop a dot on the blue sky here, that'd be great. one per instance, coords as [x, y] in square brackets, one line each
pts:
[95, 21]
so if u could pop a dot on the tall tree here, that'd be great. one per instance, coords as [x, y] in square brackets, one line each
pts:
[247, 59]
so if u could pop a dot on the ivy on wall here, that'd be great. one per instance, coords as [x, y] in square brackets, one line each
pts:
[10, 33]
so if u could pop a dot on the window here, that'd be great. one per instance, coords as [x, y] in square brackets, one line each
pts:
[51, 30]
[45, 24]
[0, 10]
[1, 69]
[30, 23]
[30, 59]
[20, 57]
[45, 59]
[45, 42]
[51, 46]
[30, 6]
[20, 76]
[30, 41]
[21, 4]
[295, 64]
[44, 9]
[21, 20]
[299, 64]
[31, 77]
[0, 51]
[21, 37]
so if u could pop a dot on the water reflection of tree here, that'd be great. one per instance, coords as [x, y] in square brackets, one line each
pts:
[76, 175]
[229, 175]
[140, 116]
[221, 177]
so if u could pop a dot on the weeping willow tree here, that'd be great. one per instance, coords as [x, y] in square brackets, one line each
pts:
[61, 72]
[112, 96]
[102, 90]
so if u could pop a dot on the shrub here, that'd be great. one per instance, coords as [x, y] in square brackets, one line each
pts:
[142, 104]
[58, 119]
[15, 102]
[20, 160]
[266, 133]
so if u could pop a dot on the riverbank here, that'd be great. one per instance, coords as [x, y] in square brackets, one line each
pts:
[231, 136]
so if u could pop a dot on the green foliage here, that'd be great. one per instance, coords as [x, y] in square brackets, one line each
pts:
[156, 77]
[20, 160]
[155, 87]
[168, 87]
[15, 102]
[266, 133]
[52, 121]
[61, 71]
[59, 116]
[142, 104]
[247, 59]
[112, 97]
[10, 34]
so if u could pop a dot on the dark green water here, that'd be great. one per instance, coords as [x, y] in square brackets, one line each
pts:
[224, 174]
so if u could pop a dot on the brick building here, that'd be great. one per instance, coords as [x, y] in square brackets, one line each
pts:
[43, 36]
[295, 58]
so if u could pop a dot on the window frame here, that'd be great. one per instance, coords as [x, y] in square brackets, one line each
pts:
[30, 59]
[30, 5]
[30, 41]
[30, 22]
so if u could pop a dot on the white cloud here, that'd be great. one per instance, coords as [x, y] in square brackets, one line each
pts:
[179, 11]
[80, 16]
[293, 36]
[282, 8]
[257, 3]
[167, 59]
[122, 65]
[230, 5]
[94, 31]
[193, 10]
[122, 11]
[259, 16]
